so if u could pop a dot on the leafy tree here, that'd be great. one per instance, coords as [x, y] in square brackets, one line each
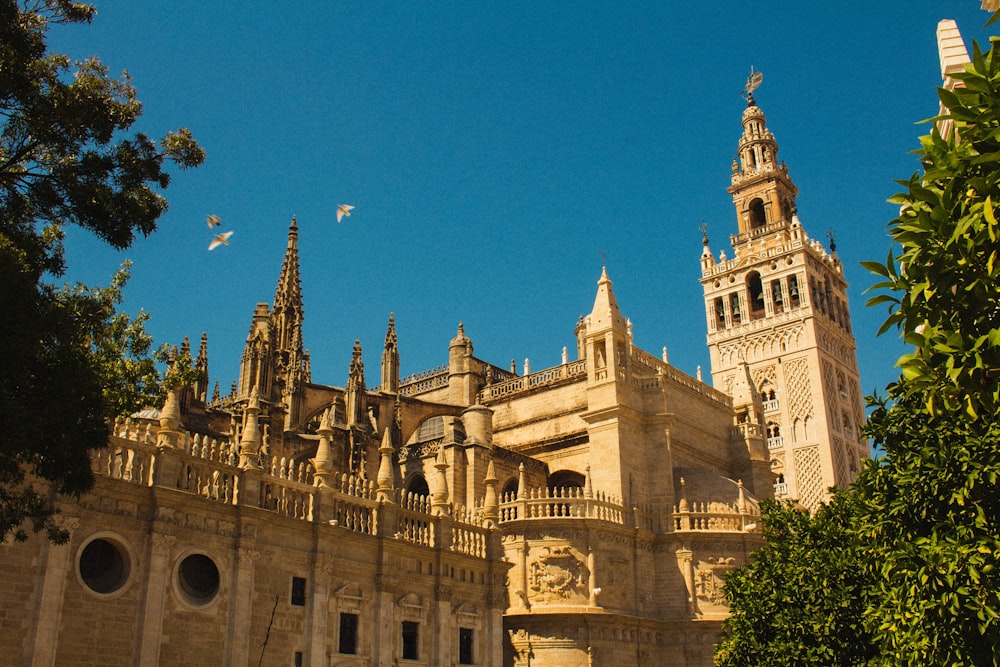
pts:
[65, 158]
[931, 518]
[801, 598]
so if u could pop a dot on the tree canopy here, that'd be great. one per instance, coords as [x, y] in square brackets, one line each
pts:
[66, 158]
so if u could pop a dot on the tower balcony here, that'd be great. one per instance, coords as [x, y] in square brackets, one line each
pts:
[780, 226]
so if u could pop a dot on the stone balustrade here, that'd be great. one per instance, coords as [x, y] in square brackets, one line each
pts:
[573, 503]
[207, 468]
[716, 517]
[525, 383]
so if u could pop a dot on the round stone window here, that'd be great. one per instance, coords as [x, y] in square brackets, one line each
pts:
[198, 579]
[104, 565]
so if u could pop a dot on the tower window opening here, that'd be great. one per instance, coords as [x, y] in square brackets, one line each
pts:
[776, 296]
[757, 216]
[734, 307]
[793, 292]
[720, 313]
[755, 296]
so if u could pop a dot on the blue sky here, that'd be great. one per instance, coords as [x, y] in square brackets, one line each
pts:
[496, 153]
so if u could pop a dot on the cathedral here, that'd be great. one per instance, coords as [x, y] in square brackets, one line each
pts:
[583, 514]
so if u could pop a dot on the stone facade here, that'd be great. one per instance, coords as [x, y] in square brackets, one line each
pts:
[585, 514]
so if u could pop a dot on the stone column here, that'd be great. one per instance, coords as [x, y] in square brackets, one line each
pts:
[238, 648]
[151, 616]
[56, 562]
[319, 614]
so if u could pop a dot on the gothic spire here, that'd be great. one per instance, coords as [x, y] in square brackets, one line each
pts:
[356, 399]
[287, 312]
[390, 359]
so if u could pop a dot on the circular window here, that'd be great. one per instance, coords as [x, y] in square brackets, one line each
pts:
[104, 565]
[198, 579]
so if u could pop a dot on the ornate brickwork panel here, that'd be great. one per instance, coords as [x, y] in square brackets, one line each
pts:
[829, 380]
[799, 391]
[840, 460]
[764, 374]
[808, 475]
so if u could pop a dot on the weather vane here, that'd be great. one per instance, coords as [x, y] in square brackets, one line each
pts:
[833, 240]
[604, 258]
[704, 232]
[753, 83]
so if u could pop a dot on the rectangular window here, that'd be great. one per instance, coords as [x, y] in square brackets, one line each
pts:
[348, 634]
[465, 646]
[411, 640]
[298, 659]
[299, 591]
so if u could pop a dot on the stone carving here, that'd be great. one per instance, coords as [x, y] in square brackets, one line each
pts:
[556, 575]
[710, 578]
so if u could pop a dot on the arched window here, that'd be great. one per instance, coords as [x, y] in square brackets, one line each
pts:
[757, 217]
[418, 486]
[566, 479]
[755, 296]
[509, 490]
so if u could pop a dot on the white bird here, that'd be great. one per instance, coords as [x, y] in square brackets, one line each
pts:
[342, 210]
[214, 221]
[220, 239]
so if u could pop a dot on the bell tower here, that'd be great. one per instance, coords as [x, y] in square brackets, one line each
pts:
[778, 308]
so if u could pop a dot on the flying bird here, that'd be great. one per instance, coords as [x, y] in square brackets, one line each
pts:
[220, 239]
[342, 210]
[214, 221]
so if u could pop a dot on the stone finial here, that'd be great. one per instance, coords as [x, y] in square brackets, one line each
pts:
[522, 483]
[565, 356]
[385, 475]
[439, 502]
[170, 415]
[491, 507]
[588, 484]
[682, 503]
[741, 502]
[251, 441]
[323, 461]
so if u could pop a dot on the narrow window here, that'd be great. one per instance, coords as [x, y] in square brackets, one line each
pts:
[757, 216]
[720, 314]
[348, 634]
[411, 636]
[793, 292]
[755, 296]
[298, 659]
[299, 591]
[734, 307]
[465, 646]
[777, 297]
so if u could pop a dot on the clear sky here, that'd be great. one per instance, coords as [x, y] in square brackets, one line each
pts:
[496, 154]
